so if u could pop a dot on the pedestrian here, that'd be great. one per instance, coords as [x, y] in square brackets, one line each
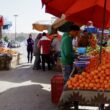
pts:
[67, 53]
[44, 45]
[56, 47]
[36, 51]
[30, 43]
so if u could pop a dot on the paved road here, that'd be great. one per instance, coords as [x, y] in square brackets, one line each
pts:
[25, 89]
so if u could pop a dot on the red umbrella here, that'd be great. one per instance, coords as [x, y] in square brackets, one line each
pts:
[80, 11]
[97, 11]
[57, 7]
[84, 10]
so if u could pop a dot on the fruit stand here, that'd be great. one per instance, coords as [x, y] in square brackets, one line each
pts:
[8, 58]
[91, 87]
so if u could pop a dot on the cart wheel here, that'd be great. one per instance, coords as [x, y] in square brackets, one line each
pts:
[76, 103]
[101, 107]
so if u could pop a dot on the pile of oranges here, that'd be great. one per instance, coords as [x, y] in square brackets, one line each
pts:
[94, 61]
[7, 51]
[95, 77]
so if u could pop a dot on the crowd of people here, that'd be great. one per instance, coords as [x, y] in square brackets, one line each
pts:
[46, 50]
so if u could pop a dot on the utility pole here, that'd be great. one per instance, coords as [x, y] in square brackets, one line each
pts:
[15, 24]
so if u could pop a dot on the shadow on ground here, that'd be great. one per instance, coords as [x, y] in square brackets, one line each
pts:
[31, 97]
[25, 73]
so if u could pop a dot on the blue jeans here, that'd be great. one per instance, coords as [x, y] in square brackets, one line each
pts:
[66, 70]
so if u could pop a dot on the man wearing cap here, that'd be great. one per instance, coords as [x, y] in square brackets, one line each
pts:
[67, 53]
[90, 27]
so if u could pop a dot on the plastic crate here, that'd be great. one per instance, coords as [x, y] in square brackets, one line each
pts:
[57, 83]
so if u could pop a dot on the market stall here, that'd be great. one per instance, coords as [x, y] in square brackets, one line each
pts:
[91, 87]
[8, 58]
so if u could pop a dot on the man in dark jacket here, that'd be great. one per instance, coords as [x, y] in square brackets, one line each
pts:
[30, 44]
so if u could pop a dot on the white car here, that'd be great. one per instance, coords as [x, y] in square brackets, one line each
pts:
[14, 44]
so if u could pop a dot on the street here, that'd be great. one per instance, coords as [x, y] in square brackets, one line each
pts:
[23, 88]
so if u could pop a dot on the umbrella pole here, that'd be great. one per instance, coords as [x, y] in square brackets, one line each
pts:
[102, 35]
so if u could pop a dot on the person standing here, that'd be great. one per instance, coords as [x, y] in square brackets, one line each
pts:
[30, 43]
[56, 46]
[67, 53]
[90, 27]
[36, 51]
[83, 40]
[44, 45]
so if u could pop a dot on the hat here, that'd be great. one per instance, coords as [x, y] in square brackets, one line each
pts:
[90, 22]
[74, 28]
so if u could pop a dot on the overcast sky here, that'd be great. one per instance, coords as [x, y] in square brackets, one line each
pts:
[28, 11]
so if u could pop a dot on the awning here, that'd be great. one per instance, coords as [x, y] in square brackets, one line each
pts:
[40, 27]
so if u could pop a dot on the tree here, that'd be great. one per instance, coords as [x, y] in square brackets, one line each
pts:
[6, 39]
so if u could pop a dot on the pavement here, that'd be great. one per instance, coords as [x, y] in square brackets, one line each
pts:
[23, 88]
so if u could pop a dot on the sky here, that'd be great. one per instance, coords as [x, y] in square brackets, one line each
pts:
[28, 11]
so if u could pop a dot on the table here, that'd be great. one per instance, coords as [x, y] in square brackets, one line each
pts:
[75, 98]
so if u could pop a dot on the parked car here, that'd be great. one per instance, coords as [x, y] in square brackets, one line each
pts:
[13, 44]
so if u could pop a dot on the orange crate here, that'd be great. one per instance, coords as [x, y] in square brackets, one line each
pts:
[57, 83]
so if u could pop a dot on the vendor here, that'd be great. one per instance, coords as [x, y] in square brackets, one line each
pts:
[90, 27]
[83, 40]
[67, 53]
